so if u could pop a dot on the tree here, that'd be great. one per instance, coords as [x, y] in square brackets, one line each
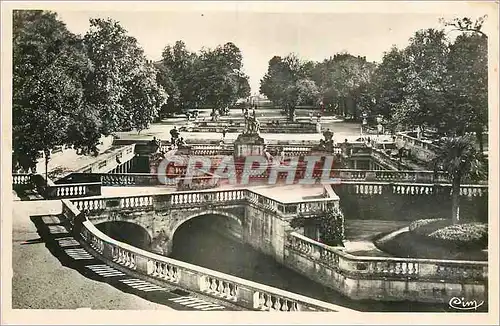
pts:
[466, 24]
[387, 85]
[180, 73]
[468, 67]
[425, 102]
[280, 82]
[330, 224]
[49, 71]
[123, 86]
[460, 159]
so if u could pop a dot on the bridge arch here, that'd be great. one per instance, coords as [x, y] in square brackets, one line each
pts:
[128, 232]
[231, 216]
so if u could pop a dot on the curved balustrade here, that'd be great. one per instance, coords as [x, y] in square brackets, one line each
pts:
[218, 287]
[247, 294]
[203, 197]
[373, 267]
[163, 271]
[136, 201]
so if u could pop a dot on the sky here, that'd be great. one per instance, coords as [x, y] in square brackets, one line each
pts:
[262, 35]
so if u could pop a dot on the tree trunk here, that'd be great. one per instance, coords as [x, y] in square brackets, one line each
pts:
[455, 201]
[479, 137]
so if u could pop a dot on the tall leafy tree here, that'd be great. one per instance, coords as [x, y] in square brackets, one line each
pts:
[468, 68]
[50, 67]
[123, 86]
[289, 83]
[328, 224]
[182, 67]
[388, 84]
[221, 72]
[425, 92]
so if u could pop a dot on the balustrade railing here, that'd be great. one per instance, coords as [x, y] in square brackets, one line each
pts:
[56, 191]
[244, 293]
[417, 142]
[373, 267]
[411, 189]
[91, 205]
[21, 179]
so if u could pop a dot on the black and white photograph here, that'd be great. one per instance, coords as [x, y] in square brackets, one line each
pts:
[244, 162]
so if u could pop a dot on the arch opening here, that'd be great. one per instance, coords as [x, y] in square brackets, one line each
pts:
[223, 225]
[129, 233]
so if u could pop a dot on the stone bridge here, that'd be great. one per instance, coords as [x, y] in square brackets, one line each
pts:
[257, 219]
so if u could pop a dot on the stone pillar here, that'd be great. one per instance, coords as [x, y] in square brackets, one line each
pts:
[355, 162]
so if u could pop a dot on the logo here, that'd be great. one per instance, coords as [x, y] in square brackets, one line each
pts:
[462, 304]
[309, 170]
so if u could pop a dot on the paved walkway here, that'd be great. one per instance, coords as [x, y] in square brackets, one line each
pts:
[362, 232]
[68, 161]
[51, 270]
[342, 130]
[40, 281]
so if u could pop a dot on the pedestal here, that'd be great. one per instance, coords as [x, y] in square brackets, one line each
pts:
[249, 145]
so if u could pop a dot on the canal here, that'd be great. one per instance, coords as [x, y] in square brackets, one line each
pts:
[197, 242]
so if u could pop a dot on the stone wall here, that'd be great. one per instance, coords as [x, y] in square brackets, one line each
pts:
[388, 206]
[265, 232]
[360, 285]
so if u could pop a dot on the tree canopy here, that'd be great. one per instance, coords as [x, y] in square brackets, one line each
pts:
[212, 77]
[69, 90]
[435, 82]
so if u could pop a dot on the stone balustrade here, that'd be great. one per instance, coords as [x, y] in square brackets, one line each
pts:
[411, 189]
[21, 179]
[387, 267]
[130, 179]
[255, 296]
[108, 162]
[244, 293]
[56, 191]
[202, 198]
[90, 205]
[416, 142]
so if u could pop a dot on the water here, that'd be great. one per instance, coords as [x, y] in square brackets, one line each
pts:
[196, 243]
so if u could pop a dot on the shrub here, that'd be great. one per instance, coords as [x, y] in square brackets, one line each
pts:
[470, 233]
[443, 232]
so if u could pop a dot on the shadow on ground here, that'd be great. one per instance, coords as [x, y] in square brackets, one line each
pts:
[51, 243]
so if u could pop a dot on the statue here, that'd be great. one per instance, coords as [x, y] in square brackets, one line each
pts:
[252, 126]
[327, 143]
[328, 136]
